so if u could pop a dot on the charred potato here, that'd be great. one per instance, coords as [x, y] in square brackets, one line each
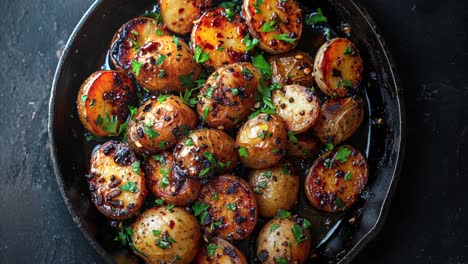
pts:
[162, 235]
[116, 181]
[284, 241]
[276, 23]
[131, 37]
[163, 63]
[159, 124]
[339, 119]
[231, 208]
[103, 102]
[220, 251]
[338, 68]
[204, 153]
[303, 146]
[275, 188]
[165, 183]
[178, 16]
[298, 106]
[295, 67]
[217, 38]
[262, 141]
[336, 179]
[228, 95]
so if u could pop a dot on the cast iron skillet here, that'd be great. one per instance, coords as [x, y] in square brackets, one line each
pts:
[338, 238]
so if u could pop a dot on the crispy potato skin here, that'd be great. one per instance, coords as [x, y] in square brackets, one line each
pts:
[323, 186]
[334, 66]
[180, 191]
[111, 169]
[231, 190]
[157, 126]
[275, 188]
[163, 75]
[224, 253]
[339, 119]
[220, 38]
[264, 137]
[295, 67]
[281, 244]
[137, 31]
[229, 95]
[288, 18]
[191, 154]
[175, 223]
[178, 16]
[104, 93]
[305, 147]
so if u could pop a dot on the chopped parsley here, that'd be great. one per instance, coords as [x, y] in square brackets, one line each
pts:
[200, 55]
[250, 43]
[159, 201]
[165, 178]
[274, 227]
[231, 206]
[84, 98]
[129, 187]
[292, 137]
[160, 60]
[269, 26]
[285, 38]
[188, 142]
[283, 214]
[316, 17]
[280, 260]
[299, 236]
[348, 50]
[199, 207]
[243, 153]
[205, 114]
[162, 98]
[204, 172]
[136, 167]
[339, 203]
[347, 83]
[342, 154]
[306, 224]
[157, 233]
[261, 63]
[257, 5]
[329, 147]
[211, 248]
[136, 67]
[348, 176]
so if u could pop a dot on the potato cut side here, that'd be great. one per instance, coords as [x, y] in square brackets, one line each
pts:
[302, 146]
[178, 16]
[219, 250]
[295, 67]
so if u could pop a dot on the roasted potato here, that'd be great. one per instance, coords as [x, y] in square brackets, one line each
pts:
[284, 241]
[338, 68]
[218, 37]
[303, 146]
[220, 251]
[159, 124]
[165, 183]
[298, 106]
[103, 102]
[275, 188]
[228, 95]
[232, 208]
[262, 141]
[163, 64]
[178, 16]
[295, 67]
[116, 182]
[276, 23]
[336, 179]
[131, 37]
[204, 153]
[166, 235]
[339, 119]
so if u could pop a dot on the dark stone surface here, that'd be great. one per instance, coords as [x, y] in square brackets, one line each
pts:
[428, 220]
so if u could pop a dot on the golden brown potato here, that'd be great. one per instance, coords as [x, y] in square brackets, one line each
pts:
[218, 37]
[232, 208]
[339, 119]
[336, 179]
[116, 182]
[228, 95]
[220, 251]
[178, 16]
[338, 68]
[166, 235]
[262, 141]
[284, 241]
[303, 146]
[162, 64]
[131, 37]
[159, 124]
[298, 106]
[204, 153]
[103, 102]
[295, 67]
[276, 23]
[165, 183]
[275, 188]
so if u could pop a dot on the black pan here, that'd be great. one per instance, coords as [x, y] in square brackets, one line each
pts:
[337, 238]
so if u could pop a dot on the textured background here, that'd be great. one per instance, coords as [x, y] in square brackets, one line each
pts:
[428, 219]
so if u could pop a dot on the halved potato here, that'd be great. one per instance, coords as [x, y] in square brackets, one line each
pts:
[305, 147]
[339, 119]
[295, 67]
[131, 37]
[220, 35]
[338, 68]
[336, 179]
[220, 251]
[163, 63]
[232, 208]
[298, 106]
[178, 16]
[276, 23]
[103, 102]
[116, 182]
